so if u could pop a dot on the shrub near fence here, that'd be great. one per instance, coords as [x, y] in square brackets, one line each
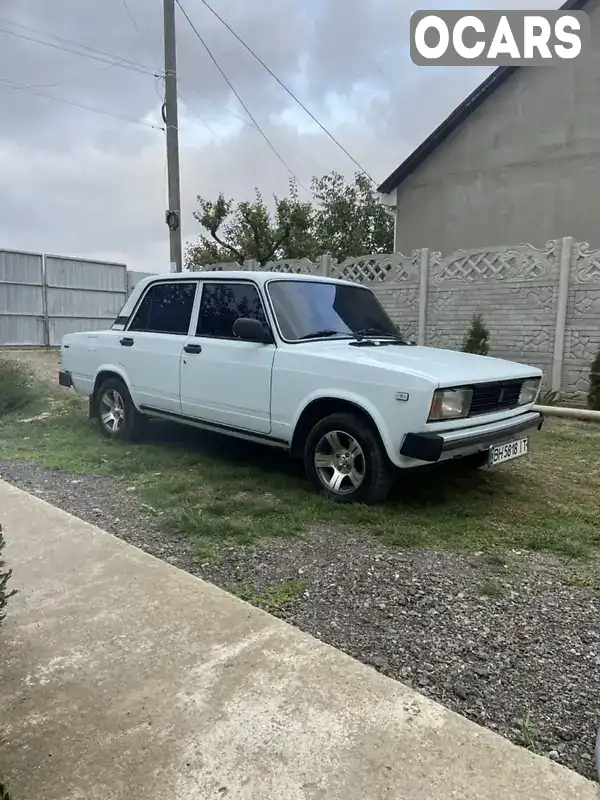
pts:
[541, 305]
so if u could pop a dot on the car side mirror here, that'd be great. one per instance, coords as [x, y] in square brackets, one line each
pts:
[251, 330]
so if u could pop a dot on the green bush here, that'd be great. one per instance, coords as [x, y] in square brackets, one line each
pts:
[593, 397]
[477, 337]
[550, 398]
[17, 389]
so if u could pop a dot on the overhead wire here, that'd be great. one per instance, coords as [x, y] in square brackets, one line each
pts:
[200, 117]
[139, 32]
[154, 63]
[116, 61]
[73, 43]
[242, 103]
[113, 61]
[165, 169]
[221, 107]
[285, 88]
[18, 87]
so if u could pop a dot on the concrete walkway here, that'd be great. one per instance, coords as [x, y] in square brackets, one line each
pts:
[124, 677]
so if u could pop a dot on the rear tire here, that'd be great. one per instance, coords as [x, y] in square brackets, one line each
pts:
[117, 417]
[345, 460]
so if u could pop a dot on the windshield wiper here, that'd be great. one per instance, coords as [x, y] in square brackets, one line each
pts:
[325, 332]
[377, 333]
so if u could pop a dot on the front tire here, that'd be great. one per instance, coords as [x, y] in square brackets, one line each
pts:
[117, 417]
[345, 460]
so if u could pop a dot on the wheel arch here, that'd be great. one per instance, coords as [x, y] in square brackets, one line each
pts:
[316, 408]
[104, 373]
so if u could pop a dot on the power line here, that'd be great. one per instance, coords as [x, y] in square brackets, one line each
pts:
[17, 87]
[115, 62]
[71, 42]
[245, 107]
[214, 103]
[285, 88]
[69, 82]
[139, 32]
[199, 116]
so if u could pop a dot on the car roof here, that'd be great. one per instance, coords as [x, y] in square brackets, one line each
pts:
[258, 276]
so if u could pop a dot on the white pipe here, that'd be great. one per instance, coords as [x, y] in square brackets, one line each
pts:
[570, 413]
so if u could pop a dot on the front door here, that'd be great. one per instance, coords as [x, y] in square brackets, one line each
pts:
[150, 348]
[224, 380]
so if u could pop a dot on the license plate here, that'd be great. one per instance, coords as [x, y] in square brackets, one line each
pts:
[506, 452]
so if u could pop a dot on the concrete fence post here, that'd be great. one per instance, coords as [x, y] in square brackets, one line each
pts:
[324, 263]
[46, 317]
[251, 265]
[566, 252]
[423, 285]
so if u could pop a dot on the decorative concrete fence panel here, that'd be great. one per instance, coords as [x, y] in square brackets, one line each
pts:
[541, 304]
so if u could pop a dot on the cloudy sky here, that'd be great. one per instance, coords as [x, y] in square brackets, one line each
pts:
[76, 182]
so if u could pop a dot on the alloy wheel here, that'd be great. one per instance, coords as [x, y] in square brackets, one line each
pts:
[112, 411]
[340, 462]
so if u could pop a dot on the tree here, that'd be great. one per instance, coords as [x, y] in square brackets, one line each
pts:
[477, 337]
[593, 397]
[342, 220]
[244, 231]
[350, 220]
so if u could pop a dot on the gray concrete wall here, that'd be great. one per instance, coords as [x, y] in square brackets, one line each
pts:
[524, 167]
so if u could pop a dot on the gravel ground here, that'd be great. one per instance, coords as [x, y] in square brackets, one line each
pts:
[509, 646]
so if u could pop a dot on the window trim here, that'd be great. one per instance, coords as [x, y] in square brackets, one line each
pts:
[328, 283]
[142, 297]
[246, 281]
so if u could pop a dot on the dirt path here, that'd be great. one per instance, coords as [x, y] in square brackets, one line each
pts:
[44, 363]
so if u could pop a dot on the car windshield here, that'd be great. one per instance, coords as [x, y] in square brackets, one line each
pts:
[311, 309]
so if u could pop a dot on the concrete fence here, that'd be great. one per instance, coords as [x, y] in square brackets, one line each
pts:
[42, 297]
[542, 305]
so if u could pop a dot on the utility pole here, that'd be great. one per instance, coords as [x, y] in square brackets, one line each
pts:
[170, 118]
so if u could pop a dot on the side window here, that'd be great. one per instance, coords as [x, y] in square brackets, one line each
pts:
[223, 303]
[166, 308]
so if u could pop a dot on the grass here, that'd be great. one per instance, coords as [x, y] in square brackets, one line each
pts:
[18, 388]
[220, 491]
[526, 734]
[493, 589]
[272, 598]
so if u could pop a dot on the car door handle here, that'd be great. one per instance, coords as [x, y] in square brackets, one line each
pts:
[126, 341]
[193, 348]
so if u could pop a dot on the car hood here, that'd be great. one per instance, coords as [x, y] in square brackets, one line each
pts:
[443, 367]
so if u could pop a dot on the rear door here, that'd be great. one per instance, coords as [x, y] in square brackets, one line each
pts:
[224, 380]
[150, 348]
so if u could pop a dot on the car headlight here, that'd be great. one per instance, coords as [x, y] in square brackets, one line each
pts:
[450, 404]
[529, 391]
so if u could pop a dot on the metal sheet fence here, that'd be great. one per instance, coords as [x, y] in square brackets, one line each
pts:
[42, 297]
[22, 303]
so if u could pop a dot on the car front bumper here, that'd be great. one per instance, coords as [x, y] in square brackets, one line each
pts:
[432, 447]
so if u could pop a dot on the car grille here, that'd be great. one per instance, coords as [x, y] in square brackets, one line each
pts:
[497, 396]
